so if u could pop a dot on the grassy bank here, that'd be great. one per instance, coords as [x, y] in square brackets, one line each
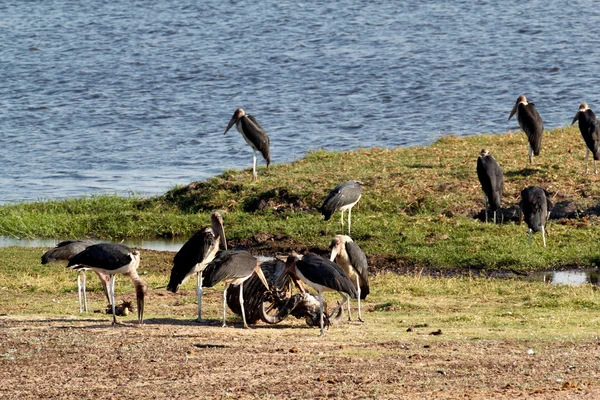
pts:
[417, 209]
[462, 307]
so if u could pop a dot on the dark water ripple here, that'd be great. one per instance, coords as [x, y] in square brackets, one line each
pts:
[111, 97]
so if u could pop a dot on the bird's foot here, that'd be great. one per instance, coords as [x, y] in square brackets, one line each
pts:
[360, 319]
[246, 326]
[224, 326]
[199, 320]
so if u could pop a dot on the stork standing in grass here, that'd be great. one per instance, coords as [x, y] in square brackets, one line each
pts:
[233, 268]
[112, 259]
[531, 123]
[322, 275]
[253, 134]
[342, 197]
[195, 254]
[353, 260]
[589, 126]
[492, 182]
[535, 209]
[63, 252]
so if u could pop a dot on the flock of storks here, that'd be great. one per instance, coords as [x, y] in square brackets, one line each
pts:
[206, 254]
[535, 205]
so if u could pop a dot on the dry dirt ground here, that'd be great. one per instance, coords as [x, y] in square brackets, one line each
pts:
[79, 357]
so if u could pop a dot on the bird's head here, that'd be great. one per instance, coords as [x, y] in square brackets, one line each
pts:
[337, 245]
[583, 107]
[239, 113]
[484, 153]
[520, 100]
[216, 223]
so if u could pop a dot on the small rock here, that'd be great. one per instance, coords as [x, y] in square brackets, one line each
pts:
[295, 350]
[530, 352]
[436, 333]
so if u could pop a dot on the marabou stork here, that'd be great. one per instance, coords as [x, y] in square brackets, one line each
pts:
[589, 126]
[253, 134]
[63, 253]
[322, 275]
[342, 197]
[535, 209]
[194, 256]
[351, 258]
[112, 259]
[492, 182]
[233, 268]
[531, 123]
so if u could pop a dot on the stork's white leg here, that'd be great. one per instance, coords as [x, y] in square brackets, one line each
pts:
[254, 175]
[104, 285]
[79, 290]
[358, 297]
[342, 221]
[595, 170]
[494, 217]
[349, 314]
[349, 215]
[587, 152]
[85, 307]
[530, 154]
[112, 297]
[199, 294]
[529, 240]
[544, 235]
[224, 303]
[321, 311]
[242, 304]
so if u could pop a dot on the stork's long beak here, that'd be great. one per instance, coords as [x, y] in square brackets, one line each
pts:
[231, 122]
[514, 110]
[140, 291]
[218, 229]
[576, 117]
[140, 305]
[261, 276]
[334, 253]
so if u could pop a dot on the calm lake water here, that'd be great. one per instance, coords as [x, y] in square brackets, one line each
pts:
[118, 97]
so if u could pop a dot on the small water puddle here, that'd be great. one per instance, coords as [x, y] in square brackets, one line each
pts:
[569, 277]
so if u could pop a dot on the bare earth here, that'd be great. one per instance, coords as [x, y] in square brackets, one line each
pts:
[75, 357]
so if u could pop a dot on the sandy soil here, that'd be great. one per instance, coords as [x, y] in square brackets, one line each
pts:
[53, 357]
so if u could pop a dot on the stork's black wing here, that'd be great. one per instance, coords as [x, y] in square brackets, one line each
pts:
[590, 131]
[358, 260]
[533, 126]
[257, 136]
[342, 195]
[327, 273]
[492, 180]
[230, 264]
[65, 250]
[534, 206]
[107, 256]
[191, 253]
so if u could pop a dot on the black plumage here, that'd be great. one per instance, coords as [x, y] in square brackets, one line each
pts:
[112, 259]
[254, 134]
[65, 250]
[358, 259]
[492, 181]
[589, 126]
[194, 256]
[326, 273]
[229, 265]
[107, 257]
[322, 275]
[531, 123]
[341, 198]
[535, 209]
[233, 268]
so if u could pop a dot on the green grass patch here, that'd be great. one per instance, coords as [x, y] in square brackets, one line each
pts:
[417, 207]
